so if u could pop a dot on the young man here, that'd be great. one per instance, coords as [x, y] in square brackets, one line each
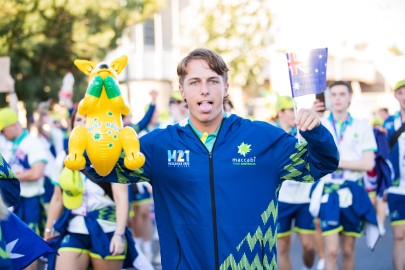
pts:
[293, 206]
[216, 176]
[396, 193]
[345, 203]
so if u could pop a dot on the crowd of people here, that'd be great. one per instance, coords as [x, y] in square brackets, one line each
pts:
[217, 191]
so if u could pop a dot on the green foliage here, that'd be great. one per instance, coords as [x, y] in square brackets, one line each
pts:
[239, 31]
[44, 37]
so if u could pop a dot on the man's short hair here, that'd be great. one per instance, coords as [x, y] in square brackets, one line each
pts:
[345, 83]
[214, 61]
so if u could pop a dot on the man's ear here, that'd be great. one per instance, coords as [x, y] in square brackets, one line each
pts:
[119, 64]
[226, 90]
[181, 90]
[85, 66]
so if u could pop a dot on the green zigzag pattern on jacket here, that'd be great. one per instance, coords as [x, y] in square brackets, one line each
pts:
[123, 179]
[107, 213]
[230, 262]
[3, 252]
[122, 174]
[5, 171]
[297, 160]
[244, 263]
[257, 237]
[138, 174]
[271, 210]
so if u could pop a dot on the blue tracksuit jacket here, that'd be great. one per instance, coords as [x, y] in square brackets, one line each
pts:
[9, 184]
[218, 210]
[394, 152]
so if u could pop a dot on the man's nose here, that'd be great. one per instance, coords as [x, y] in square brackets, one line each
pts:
[205, 88]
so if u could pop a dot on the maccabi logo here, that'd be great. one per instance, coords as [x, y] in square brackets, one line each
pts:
[178, 158]
[243, 150]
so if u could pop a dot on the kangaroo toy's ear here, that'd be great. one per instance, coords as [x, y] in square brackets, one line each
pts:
[85, 66]
[119, 63]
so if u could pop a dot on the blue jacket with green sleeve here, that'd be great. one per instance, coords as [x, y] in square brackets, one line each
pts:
[218, 210]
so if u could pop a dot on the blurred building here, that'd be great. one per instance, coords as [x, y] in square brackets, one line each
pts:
[153, 51]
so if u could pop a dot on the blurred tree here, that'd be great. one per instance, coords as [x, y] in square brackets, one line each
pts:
[239, 31]
[44, 37]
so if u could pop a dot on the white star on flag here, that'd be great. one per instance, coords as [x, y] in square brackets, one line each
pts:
[296, 86]
[10, 246]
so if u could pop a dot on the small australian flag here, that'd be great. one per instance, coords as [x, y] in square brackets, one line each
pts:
[307, 72]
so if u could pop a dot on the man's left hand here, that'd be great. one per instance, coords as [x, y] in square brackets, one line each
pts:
[306, 119]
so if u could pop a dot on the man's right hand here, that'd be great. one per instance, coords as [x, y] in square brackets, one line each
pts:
[318, 107]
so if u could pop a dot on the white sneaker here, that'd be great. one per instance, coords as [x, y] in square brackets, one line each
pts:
[320, 265]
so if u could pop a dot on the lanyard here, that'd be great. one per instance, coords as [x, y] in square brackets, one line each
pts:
[339, 137]
[18, 140]
[293, 131]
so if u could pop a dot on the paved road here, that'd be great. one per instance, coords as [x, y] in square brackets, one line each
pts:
[379, 259]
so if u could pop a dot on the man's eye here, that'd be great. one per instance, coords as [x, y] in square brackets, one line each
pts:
[214, 81]
[194, 83]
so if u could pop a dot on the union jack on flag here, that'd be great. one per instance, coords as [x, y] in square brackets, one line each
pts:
[308, 72]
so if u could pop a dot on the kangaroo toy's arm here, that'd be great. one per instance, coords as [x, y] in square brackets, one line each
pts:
[92, 96]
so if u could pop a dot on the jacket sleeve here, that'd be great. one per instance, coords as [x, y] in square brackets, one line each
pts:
[120, 174]
[323, 155]
[9, 184]
[146, 118]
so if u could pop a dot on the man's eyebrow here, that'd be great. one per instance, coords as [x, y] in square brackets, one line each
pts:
[193, 78]
[199, 78]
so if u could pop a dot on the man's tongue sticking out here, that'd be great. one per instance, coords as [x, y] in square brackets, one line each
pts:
[205, 106]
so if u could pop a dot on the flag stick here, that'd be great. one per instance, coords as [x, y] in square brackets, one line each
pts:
[295, 114]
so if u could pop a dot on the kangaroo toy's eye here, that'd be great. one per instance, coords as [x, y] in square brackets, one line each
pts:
[103, 66]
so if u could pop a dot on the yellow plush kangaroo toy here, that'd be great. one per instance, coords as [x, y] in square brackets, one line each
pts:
[104, 136]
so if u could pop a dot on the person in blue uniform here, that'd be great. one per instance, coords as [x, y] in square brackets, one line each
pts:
[216, 176]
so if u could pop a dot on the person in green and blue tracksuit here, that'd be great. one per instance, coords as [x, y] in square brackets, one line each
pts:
[216, 176]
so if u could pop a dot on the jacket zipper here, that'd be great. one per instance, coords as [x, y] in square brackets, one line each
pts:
[212, 191]
[214, 211]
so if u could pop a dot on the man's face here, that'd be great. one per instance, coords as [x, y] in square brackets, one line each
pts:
[287, 116]
[204, 91]
[339, 98]
[400, 96]
[10, 132]
[178, 110]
